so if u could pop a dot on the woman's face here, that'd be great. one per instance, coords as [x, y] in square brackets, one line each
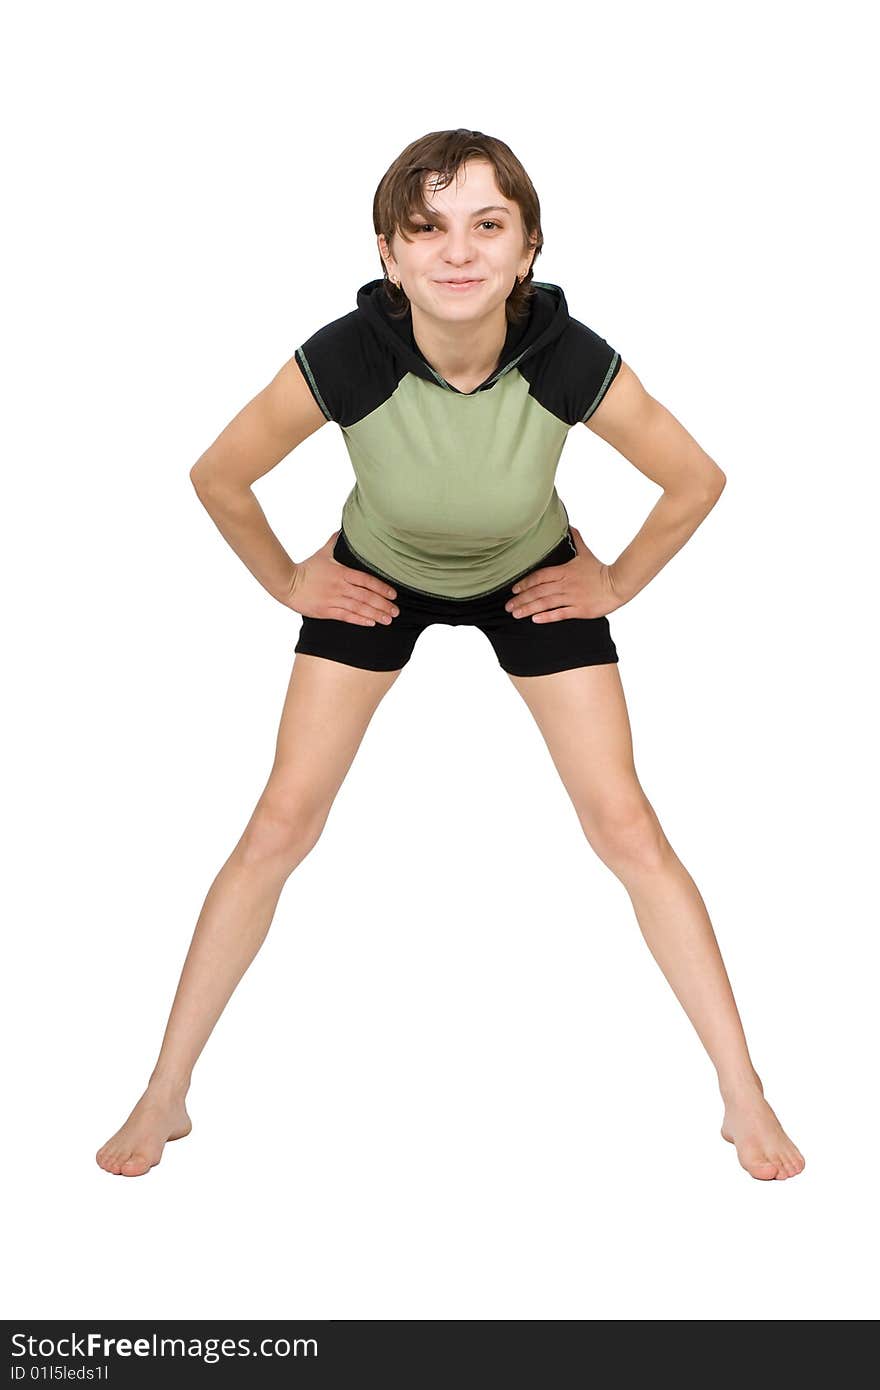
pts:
[475, 234]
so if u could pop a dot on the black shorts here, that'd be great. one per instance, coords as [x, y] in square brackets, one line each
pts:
[523, 648]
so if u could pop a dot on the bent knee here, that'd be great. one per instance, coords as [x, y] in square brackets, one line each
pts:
[624, 831]
[283, 828]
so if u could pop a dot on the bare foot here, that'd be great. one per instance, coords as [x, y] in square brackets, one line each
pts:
[762, 1145]
[159, 1115]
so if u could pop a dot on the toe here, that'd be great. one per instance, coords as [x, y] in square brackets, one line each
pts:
[135, 1165]
[762, 1169]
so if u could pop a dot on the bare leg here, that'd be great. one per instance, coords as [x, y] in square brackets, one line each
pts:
[326, 713]
[583, 718]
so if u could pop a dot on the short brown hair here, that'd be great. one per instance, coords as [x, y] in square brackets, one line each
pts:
[400, 198]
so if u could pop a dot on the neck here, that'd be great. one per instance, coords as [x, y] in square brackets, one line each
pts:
[461, 350]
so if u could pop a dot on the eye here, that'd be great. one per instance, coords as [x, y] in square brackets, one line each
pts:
[488, 223]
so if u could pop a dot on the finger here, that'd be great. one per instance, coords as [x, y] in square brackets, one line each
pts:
[370, 607]
[548, 598]
[371, 597]
[344, 616]
[363, 617]
[363, 580]
[366, 601]
[555, 615]
[545, 576]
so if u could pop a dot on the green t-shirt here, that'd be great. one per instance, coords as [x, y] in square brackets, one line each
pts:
[455, 491]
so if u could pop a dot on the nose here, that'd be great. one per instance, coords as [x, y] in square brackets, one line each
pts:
[458, 250]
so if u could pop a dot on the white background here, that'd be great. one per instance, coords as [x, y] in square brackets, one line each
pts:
[454, 1083]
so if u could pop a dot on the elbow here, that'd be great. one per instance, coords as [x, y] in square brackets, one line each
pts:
[201, 477]
[699, 494]
[715, 484]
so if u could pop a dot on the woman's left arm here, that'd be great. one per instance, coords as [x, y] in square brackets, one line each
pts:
[658, 445]
[647, 434]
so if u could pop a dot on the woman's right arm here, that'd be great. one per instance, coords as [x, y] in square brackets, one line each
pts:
[283, 414]
[262, 434]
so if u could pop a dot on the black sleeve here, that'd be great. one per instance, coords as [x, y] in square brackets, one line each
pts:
[587, 365]
[329, 362]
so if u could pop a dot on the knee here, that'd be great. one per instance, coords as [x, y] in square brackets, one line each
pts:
[283, 829]
[626, 834]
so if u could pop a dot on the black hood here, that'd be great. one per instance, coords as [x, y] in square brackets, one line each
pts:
[546, 319]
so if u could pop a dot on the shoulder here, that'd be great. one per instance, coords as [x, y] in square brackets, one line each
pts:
[583, 366]
[331, 358]
[342, 336]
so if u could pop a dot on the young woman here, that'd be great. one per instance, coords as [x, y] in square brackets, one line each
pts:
[455, 382]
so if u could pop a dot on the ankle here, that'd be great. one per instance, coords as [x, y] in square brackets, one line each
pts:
[740, 1085]
[170, 1084]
